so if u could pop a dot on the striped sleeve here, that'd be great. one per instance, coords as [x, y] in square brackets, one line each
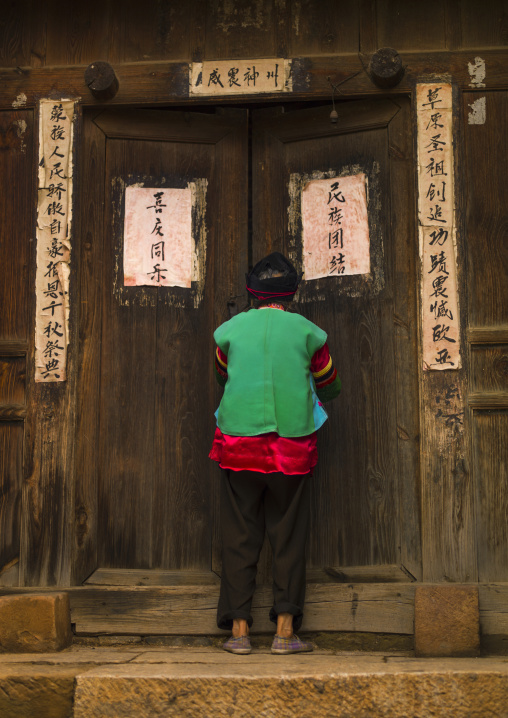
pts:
[326, 379]
[221, 367]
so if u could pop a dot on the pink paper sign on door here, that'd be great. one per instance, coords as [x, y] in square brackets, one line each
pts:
[335, 227]
[158, 244]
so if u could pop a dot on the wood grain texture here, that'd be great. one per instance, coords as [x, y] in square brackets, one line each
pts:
[484, 25]
[411, 26]
[486, 198]
[191, 610]
[490, 452]
[11, 479]
[489, 368]
[16, 215]
[78, 37]
[12, 380]
[355, 514]
[245, 28]
[322, 27]
[405, 335]
[88, 257]
[154, 577]
[156, 82]
[155, 484]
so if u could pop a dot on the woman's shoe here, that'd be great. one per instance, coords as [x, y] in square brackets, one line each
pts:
[290, 645]
[238, 645]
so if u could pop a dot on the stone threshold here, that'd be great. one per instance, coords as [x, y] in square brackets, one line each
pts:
[87, 682]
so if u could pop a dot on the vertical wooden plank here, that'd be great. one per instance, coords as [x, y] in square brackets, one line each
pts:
[368, 27]
[447, 494]
[11, 478]
[411, 26]
[22, 34]
[89, 256]
[323, 27]
[126, 436]
[244, 28]
[486, 198]
[453, 24]
[78, 37]
[484, 24]
[400, 150]
[490, 453]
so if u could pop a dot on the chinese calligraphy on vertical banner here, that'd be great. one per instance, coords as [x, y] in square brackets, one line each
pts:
[335, 227]
[440, 311]
[240, 77]
[158, 244]
[53, 239]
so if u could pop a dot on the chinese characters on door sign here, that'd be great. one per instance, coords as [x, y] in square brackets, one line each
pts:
[440, 312]
[335, 227]
[158, 244]
[240, 77]
[53, 239]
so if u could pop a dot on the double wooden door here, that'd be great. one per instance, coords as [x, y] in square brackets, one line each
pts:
[147, 393]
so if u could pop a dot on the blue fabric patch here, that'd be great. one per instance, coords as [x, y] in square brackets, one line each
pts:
[318, 410]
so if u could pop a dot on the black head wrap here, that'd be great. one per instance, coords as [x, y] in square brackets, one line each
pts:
[282, 285]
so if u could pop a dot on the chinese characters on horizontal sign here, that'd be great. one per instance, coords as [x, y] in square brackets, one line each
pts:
[240, 77]
[53, 239]
[440, 311]
[158, 244]
[335, 227]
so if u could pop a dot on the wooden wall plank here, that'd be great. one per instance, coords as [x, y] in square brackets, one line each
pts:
[402, 225]
[16, 217]
[484, 24]
[78, 37]
[486, 199]
[23, 33]
[322, 27]
[490, 455]
[489, 368]
[12, 380]
[11, 479]
[411, 26]
[88, 256]
[245, 28]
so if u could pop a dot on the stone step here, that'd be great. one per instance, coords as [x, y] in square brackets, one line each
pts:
[201, 682]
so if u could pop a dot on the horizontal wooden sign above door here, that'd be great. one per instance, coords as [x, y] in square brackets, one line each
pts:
[240, 77]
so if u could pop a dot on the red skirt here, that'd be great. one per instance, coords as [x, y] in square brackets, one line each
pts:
[265, 453]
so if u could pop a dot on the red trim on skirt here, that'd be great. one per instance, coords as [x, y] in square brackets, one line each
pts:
[265, 453]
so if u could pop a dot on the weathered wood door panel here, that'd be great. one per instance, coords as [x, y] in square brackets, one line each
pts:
[155, 394]
[365, 506]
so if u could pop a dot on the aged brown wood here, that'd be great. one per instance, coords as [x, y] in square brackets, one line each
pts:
[89, 252]
[13, 348]
[101, 80]
[157, 393]
[411, 26]
[400, 150]
[490, 452]
[489, 368]
[12, 412]
[488, 400]
[488, 335]
[356, 519]
[157, 83]
[12, 380]
[386, 67]
[154, 577]
[11, 477]
[371, 574]
[383, 608]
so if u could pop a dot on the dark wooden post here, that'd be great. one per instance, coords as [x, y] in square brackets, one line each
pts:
[101, 80]
[385, 67]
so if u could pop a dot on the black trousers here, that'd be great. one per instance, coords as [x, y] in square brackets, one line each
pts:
[251, 501]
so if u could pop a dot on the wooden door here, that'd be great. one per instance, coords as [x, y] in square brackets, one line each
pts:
[365, 513]
[146, 389]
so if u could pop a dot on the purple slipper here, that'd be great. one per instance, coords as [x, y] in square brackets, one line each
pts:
[238, 645]
[290, 645]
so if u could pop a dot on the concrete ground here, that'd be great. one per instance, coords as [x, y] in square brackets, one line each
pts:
[139, 680]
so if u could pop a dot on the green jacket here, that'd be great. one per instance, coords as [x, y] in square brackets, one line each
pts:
[269, 386]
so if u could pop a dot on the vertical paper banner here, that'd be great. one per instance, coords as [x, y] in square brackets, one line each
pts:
[158, 244]
[335, 227]
[54, 213]
[436, 214]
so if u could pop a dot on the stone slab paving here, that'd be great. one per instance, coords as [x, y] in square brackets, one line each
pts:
[133, 681]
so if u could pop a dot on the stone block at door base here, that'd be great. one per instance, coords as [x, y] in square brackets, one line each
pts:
[35, 623]
[447, 621]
